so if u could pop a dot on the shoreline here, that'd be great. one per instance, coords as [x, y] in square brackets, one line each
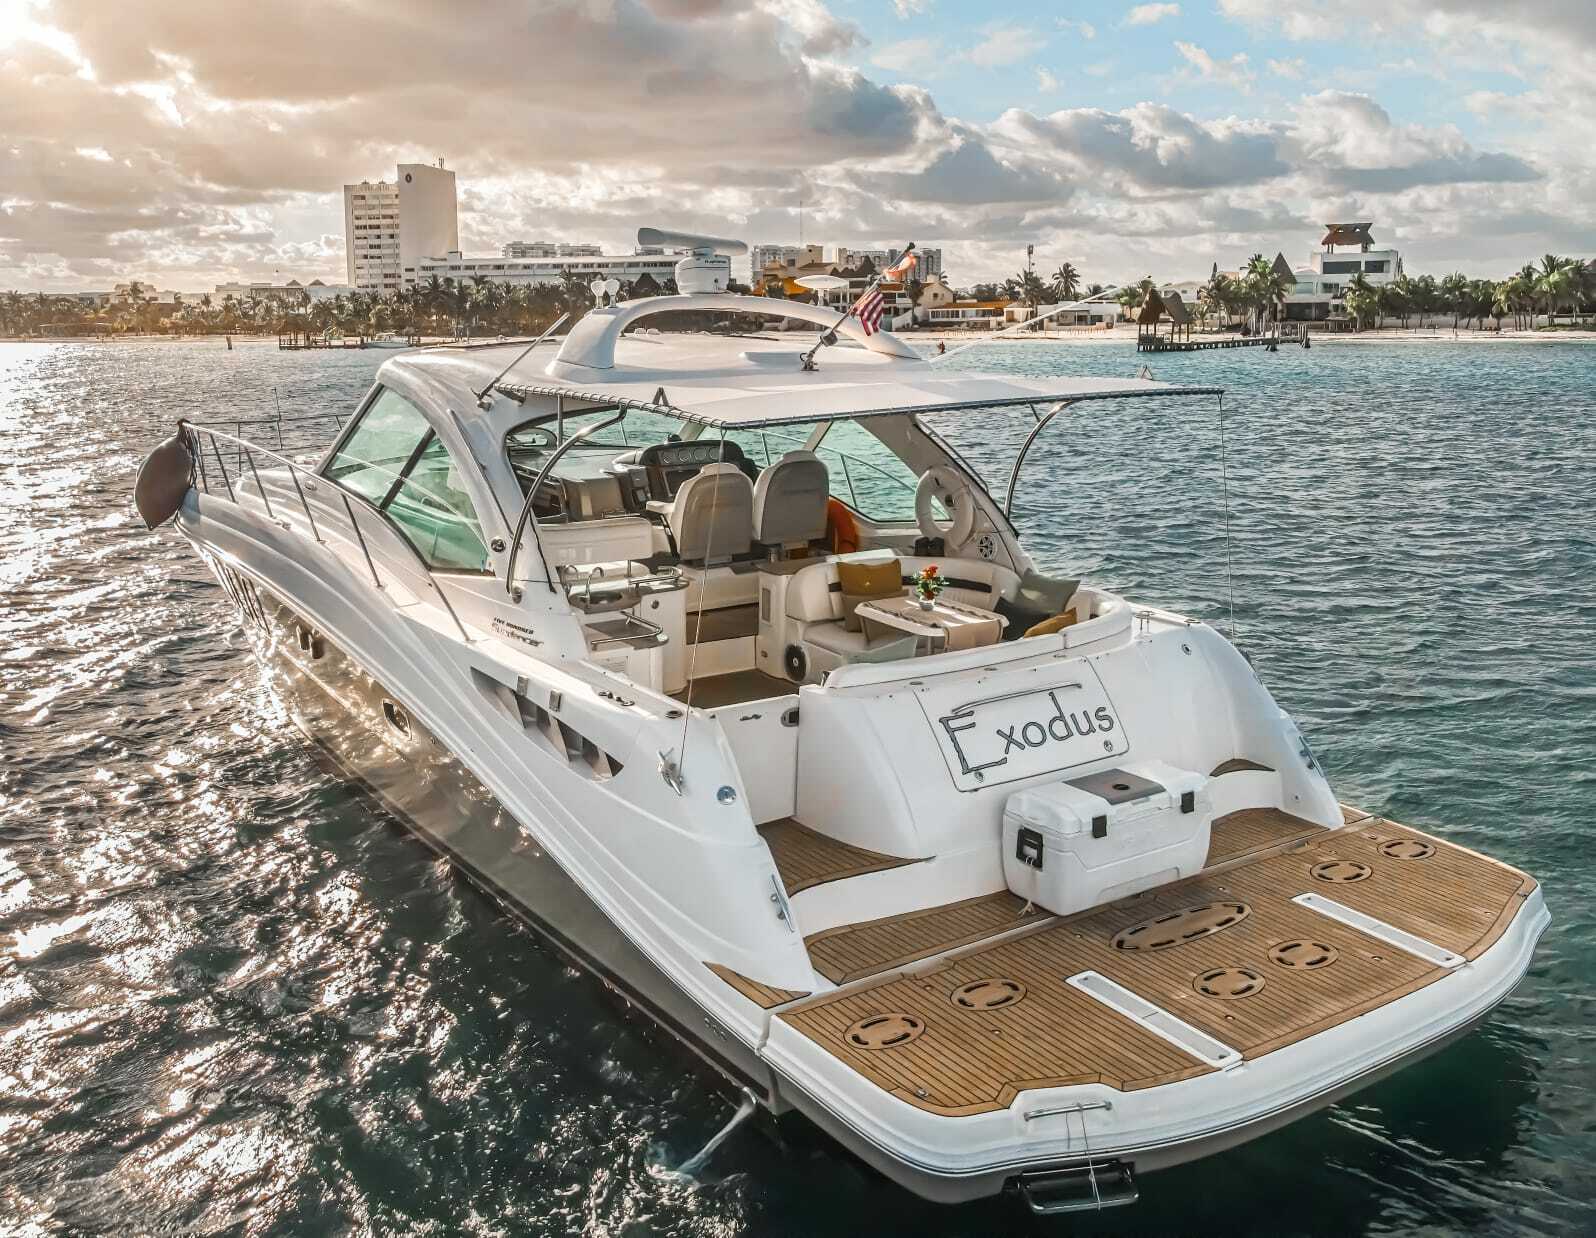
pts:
[1124, 334]
[1394, 335]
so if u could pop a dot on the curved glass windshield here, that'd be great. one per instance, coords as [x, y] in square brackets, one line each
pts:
[394, 460]
[864, 472]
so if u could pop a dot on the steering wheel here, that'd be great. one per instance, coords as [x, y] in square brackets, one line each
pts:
[948, 487]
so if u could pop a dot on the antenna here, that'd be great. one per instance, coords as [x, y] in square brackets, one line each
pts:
[690, 241]
[707, 266]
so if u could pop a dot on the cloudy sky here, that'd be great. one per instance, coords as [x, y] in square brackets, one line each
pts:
[184, 143]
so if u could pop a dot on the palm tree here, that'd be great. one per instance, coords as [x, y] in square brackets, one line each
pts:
[1219, 293]
[1557, 282]
[1454, 288]
[1359, 298]
[574, 294]
[1026, 286]
[1066, 282]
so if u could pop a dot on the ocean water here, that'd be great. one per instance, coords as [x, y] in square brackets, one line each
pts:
[236, 998]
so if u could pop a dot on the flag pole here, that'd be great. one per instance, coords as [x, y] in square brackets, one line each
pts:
[829, 335]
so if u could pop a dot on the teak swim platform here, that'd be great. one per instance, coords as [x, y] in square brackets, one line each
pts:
[1266, 979]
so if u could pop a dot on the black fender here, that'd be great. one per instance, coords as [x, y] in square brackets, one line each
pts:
[165, 478]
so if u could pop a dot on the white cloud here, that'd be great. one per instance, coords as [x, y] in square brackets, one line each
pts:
[908, 55]
[1045, 81]
[1004, 45]
[164, 146]
[906, 9]
[1292, 69]
[1150, 14]
[1083, 28]
[1235, 71]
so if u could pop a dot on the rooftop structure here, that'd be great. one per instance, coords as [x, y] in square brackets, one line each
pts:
[1348, 235]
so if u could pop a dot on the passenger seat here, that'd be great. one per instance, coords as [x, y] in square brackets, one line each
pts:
[711, 519]
[789, 510]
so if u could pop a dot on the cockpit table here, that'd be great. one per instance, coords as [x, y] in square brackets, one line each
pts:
[953, 624]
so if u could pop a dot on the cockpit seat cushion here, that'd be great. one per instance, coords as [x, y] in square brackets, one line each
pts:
[829, 645]
[859, 582]
[790, 500]
[1060, 621]
[712, 515]
[1036, 599]
[815, 593]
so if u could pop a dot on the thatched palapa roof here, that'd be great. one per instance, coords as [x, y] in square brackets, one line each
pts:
[1348, 234]
[1152, 308]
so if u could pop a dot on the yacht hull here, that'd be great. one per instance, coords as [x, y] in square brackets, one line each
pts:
[362, 728]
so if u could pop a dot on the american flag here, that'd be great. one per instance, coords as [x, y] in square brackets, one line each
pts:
[867, 309]
[901, 268]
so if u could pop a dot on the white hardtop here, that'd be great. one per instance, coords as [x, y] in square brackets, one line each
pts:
[745, 380]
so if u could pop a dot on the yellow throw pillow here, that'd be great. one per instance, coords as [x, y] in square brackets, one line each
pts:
[1056, 624]
[862, 581]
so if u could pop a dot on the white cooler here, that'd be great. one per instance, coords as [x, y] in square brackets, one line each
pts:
[1079, 843]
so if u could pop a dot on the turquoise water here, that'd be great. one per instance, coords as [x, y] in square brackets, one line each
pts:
[234, 998]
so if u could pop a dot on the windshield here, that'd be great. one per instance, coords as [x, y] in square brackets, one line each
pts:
[529, 445]
[864, 472]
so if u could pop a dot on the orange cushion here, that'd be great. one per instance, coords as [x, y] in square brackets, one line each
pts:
[1056, 624]
[862, 581]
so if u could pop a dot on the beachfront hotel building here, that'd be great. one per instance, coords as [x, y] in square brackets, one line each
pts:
[1346, 251]
[390, 227]
[548, 249]
[548, 270]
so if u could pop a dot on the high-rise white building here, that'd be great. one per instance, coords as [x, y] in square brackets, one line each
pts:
[389, 228]
[371, 235]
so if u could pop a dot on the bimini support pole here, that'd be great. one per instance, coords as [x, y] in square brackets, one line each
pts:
[1019, 460]
[746, 1109]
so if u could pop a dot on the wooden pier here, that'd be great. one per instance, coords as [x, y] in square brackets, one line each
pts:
[295, 341]
[1155, 343]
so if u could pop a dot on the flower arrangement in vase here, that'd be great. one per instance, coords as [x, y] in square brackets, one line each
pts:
[927, 585]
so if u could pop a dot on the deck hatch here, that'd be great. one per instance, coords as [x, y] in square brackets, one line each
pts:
[1388, 933]
[1155, 1019]
[1179, 927]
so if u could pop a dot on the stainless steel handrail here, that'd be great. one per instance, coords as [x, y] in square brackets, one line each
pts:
[345, 493]
[531, 496]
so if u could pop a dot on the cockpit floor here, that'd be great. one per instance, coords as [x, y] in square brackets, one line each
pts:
[713, 691]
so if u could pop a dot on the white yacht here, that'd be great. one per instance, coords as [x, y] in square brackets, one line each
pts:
[1028, 888]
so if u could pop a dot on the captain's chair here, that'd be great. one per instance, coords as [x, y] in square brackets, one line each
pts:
[712, 515]
[790, 502]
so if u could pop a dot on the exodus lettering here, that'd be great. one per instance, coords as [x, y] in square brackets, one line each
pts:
[1061, 726]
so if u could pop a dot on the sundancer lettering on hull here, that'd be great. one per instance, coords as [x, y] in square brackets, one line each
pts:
[588, 617]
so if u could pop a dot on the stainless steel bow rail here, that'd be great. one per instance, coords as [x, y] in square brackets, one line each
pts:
[245, 453]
